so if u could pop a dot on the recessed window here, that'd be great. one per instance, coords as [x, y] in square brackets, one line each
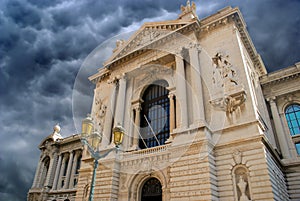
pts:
[298, 147]
[292, 115]
[155, 128]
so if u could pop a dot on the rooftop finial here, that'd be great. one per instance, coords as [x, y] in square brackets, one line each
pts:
[187, 9]
[56, 128]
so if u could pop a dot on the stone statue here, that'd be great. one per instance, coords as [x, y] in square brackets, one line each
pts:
[242, 187]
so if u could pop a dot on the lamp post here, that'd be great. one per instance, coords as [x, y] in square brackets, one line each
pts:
[92, 138]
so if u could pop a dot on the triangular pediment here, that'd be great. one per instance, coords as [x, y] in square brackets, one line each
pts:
[147, 34]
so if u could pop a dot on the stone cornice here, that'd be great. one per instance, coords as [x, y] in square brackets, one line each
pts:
[181, 28]
[282, 75]
[224, 16]
[127, 47]
[102, 73]
[69, 139]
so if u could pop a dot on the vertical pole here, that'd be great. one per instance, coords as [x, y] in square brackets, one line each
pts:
[93, 180]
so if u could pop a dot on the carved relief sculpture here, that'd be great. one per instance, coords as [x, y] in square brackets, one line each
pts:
[224, 75]
[99, 113]
[237, 157]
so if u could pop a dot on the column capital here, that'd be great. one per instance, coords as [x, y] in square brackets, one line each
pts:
[137, 108]
[112, 80]
[172, 89]
[171, 95]
[136, 104]
[178, 52]
[195, 46]
[122, 76]
[271, 99]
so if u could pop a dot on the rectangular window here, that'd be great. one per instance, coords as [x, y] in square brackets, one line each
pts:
[298, 147]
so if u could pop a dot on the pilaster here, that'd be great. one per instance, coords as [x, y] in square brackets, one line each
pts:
[284, 147]
[75, 161]
[68, 175]
[51, 171]
[109, 116]
[59, 185]
[37, 173]
[120, 108]
[181, 93]
[54, 187]
[197, 99]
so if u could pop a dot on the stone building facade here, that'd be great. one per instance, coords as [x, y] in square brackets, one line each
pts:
[203, 119]
[56, 176]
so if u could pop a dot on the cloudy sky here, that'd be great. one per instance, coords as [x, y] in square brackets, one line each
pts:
[44, 43]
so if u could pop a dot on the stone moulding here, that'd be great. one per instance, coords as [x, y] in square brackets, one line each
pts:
[230, 100]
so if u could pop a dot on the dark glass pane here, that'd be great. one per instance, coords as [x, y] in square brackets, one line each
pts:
[152, 190]
[156, 109]
[298, 148]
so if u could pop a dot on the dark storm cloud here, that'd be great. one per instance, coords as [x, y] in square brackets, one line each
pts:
[43, 44]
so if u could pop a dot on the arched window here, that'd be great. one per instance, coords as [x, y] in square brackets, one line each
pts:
[292, 115]
[155, 115]
[151, 190]
[46, 163]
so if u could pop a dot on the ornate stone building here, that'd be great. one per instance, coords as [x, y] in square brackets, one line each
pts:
[203, 120]
[56, 176]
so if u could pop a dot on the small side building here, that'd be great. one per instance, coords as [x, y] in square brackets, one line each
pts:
[57, 171]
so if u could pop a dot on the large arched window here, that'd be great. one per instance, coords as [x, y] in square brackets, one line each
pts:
[155, 115]
[292, 115]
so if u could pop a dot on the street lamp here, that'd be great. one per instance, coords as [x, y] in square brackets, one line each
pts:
[92, 139]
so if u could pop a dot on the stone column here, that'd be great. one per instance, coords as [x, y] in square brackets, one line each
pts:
[181, 92]
[279, 129]
[61, 173]
[172, 119]
[37, 174]
[75, 160]
[68, 175]
[42, 177]
[137, 124]
[172, 112]
[197, 99]
[51, 171]
[54, 186]
[120, 107]
[109, 116]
